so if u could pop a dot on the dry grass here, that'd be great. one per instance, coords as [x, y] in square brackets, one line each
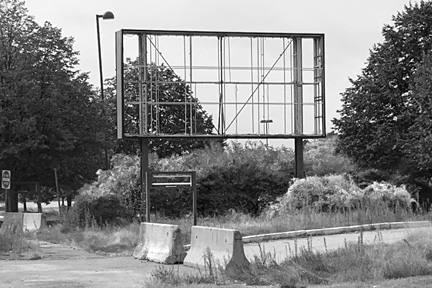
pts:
[19, 246]
[356, 263]
[123, 238]
[301, 220]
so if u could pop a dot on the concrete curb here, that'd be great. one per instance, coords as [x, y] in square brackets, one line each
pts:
[335, 230]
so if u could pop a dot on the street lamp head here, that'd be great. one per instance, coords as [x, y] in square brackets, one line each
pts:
[107, 15]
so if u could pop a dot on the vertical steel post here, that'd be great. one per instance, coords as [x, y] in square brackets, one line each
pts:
[144, 125]
[194, 198]
[145, 191]
[299, 165]
[298, 107]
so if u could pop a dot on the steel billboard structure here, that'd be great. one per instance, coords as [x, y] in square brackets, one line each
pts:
[255, 85]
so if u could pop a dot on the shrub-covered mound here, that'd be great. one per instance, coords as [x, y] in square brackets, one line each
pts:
[340, 193]
[243, 178]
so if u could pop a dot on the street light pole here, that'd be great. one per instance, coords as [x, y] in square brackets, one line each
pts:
[106, 16]
[266, 129]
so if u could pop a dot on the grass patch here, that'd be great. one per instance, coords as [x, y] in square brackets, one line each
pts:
[300, 220]
[354, 263]
[122, 238]
[19, 246]
[109, 239]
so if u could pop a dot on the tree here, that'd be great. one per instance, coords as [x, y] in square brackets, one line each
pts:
[49, 115]
[419, 134]
[170, 118]
[385, 113]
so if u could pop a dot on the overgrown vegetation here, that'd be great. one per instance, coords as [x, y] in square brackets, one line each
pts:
[244, 178]
[339, 193]
[17, 246]
[356, 262]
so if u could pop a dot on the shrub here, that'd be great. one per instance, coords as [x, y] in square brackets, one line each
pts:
[321, 158]
[327, 193]
[105, 209]
[394, 197]
[243, 187]
[244, 178]
[339, 193]
[365, 177]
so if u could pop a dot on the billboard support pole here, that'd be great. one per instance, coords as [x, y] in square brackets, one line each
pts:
[298, 106]
[145, 191]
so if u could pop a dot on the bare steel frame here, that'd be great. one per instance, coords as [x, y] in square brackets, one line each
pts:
[250, 81]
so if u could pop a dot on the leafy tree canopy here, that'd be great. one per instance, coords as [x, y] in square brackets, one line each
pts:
[49, 115]
[166, 86]
[386, 113]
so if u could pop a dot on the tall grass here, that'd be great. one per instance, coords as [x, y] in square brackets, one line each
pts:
[110, 239]
[356, 262]
[374, 212]
[123, 238]
[16, 246]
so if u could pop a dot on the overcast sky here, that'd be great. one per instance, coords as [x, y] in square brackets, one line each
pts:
[351, 27]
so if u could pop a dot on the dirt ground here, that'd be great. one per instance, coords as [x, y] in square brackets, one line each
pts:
[65, 266]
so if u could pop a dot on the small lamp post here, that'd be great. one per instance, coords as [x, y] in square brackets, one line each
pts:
[266, 122]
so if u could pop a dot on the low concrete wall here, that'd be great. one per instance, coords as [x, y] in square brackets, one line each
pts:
[221, 246]
[160, 243]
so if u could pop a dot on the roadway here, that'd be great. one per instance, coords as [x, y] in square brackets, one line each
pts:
[282, 249]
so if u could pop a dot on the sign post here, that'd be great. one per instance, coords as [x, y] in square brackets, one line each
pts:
[6, 184]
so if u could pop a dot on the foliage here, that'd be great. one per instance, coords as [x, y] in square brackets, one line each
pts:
[322, 158]
[367, 176]
[385, 114]
[303, 266]
[419, 134]
[18, 246]
[327, 193]
[338, 193]
[242, 178]
[49, 115]
[166, 119]
[103, 210]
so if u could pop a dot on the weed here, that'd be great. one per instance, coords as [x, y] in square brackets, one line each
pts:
[15, 246]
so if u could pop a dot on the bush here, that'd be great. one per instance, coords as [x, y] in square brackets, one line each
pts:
[339, 193]
[394, 197]
[321, 158]
[100, 210]
[327, 193]
[244, 178]
[365, 177]
[243, 187]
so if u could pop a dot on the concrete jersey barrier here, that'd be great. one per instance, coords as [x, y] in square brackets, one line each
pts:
[15, 222]
[33, 221]
[221, 246]
[160, 243]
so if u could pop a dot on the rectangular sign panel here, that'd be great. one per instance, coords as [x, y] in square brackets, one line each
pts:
[6, 179]
[192, 84]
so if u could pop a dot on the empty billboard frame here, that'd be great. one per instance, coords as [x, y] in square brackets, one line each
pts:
[252, 85]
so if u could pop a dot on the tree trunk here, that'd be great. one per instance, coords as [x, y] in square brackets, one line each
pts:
[69, 201]
[24, 203]
[39, 204]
